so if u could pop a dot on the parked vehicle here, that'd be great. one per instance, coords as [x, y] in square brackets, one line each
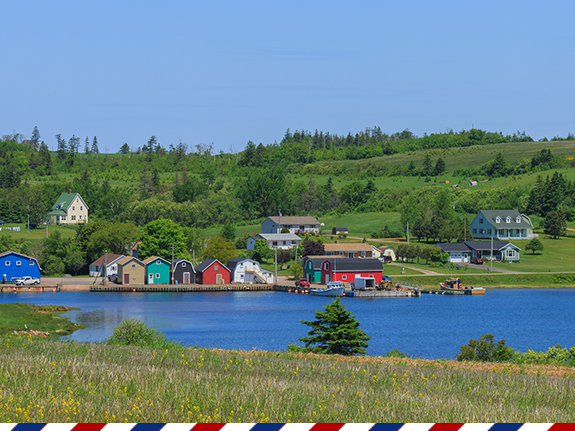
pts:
[302, 282]
[476, 260]
[26, 280]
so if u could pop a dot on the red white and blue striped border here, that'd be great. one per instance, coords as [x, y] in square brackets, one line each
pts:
[288, 427]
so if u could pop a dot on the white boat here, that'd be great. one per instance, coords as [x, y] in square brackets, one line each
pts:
[333, 288]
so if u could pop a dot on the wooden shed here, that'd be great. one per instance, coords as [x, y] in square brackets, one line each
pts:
[157, 270]
[131, 270]
[183, 272]
[212, 271]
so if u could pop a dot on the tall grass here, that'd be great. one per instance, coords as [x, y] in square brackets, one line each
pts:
[48, 381]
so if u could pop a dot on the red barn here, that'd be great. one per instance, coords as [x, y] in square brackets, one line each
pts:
[212, 271]
[346, 269]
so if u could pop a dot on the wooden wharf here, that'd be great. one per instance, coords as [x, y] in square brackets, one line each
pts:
[182, 288]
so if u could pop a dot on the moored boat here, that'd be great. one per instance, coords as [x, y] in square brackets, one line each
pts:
[455, 285]
[333, 288]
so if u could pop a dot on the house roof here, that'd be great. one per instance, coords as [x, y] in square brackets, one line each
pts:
[6, 253]
[294, 220]
[457, 247]
[206, 263]
[129, 258]
[340, 228]
[318, 260]
[486, 245]
[279, 236]
[491, 217]
[65, 200]
[179, 261]
[153, 258]
[351, 264]
[111, 259]
[356, 246]
[232, 263]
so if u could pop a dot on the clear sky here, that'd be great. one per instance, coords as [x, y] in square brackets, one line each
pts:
[224, 73]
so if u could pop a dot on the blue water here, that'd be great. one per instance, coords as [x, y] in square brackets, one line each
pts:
[433, 326]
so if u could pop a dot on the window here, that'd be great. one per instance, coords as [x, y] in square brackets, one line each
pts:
[158, 262]
[73, 208]
[183, 264]
[371, 276]
[81, 207]
[510, 253]
[474, 230]
[363, 254]
[31, 262]
[489, 231]
[63, 218]
[73, 217]
[508, 219]
[18, 263]
[216, 267]
[133, 266]
[350, 255]
[302, 228]
[480, 221]
[518, 219]
[326, 266]
[157, 275]
[80, 217]
[498, 219]
[7, 263]
[344, 277]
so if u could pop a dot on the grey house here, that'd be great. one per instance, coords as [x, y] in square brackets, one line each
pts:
[183, 272]
[458, 252]
[499, 250]
[295, 225]
[501, 224]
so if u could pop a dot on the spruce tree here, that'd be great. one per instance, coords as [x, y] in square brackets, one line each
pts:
[95, 149]
[335, 331]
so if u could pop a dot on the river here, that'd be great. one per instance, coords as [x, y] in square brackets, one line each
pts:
[433, 326]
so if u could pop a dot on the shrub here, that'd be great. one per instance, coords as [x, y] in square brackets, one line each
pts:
[135, 333]
[485, 350]
[396, 354]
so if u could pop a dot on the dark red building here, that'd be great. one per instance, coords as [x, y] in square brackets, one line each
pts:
[346, 269]
[212, 271]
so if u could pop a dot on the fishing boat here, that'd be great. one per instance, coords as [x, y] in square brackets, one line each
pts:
[333, 288]
[455, 285]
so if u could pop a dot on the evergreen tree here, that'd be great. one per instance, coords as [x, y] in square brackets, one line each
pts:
[87, 146]
[95, 149]
[335, 331]
[555, 224]
[229, 231]
[35, 139]
[62, 147]
[439, 167]
[427, 166]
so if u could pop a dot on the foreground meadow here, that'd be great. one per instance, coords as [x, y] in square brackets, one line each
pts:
[54, 381]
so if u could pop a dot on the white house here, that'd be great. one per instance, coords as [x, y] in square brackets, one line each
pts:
[295, 225]
[97, 267]
[70, 208]
[248, 271]
[281, 241]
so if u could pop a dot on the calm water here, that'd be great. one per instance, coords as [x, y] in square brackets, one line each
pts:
[433, 326]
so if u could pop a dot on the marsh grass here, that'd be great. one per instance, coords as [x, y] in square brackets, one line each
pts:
[50, 381]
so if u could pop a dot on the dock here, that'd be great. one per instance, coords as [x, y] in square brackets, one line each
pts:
[182, 288]
[383, 294]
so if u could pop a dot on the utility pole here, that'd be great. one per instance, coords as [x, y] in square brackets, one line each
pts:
[276, 262]
[465, 227]
[408, 233]
[491, 263]
[105, 271]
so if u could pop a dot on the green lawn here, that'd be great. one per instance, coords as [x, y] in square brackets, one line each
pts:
[39, 233]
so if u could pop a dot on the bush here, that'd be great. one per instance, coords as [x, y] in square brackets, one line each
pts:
[135, 333]
[396, 354]
[485, 350]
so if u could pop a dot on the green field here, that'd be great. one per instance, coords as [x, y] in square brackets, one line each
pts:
[48, 381]
[39, 233]
[30, 317]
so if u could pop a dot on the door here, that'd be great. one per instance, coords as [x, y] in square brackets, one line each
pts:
[126, 278]
[150, 278]
[326, 278]
[219, 279]
[186, 278]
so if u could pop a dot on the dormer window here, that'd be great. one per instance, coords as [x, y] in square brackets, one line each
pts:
[497, 219]
[518, 219]
[508, 219]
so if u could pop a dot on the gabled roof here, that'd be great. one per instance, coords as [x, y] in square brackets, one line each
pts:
[486, 245]
[490, 217]
[129, 258]
[294, 220]
[6, 253]
[351, 264]
[207, 263]
[65, 200]
[355, 246]
[318, 260]
[232, 263]
[279, 236]
[111, 259]
[456, 247]
[153, 258]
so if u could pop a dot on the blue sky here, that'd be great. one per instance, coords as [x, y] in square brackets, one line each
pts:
[224, 73]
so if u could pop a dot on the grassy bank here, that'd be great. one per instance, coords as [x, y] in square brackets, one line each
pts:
[50, 381]
[25, 318]
[496, 280]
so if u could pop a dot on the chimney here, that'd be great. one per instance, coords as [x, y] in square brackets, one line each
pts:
[69, 191]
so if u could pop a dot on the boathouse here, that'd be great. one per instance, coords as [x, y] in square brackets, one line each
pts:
[157, 270]
[212, 271]
[131, 270]
[16, 265]
[110, 261]
[248, 271]
[183, 272]
[345, 270]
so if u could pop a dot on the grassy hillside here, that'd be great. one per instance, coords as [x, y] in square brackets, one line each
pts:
[44, 381]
